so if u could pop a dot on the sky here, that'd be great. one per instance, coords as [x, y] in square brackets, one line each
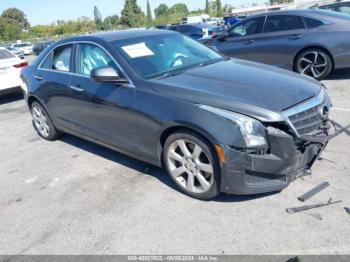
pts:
[48, 11]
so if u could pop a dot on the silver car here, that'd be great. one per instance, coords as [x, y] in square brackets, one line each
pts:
[311, 42]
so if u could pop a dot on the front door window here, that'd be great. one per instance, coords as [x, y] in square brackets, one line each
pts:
[90, 57]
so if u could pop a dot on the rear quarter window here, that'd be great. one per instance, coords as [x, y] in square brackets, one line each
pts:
[312, 23]
[47, 63]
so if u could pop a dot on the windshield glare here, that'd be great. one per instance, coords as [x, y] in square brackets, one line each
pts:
[153, 56]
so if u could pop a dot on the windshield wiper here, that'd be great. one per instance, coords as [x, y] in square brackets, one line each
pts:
[169, 74]
[209, 62]
[166, 75]
[179, 71]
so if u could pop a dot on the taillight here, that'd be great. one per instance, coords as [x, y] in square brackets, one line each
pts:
[23, 64]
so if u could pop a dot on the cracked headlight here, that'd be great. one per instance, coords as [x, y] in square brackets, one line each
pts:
[253, 132]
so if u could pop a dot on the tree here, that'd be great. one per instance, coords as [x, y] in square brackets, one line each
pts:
[227, 9]
[98, 17]
[111, 21]
[198, 12]
[179, 9]
[218, 8]
[161, 10]
[132, 14]
[16, 16]
[12, 22]
[149, 14]
[207, 7]
[42, 30]
[86, 24]
[9, 31]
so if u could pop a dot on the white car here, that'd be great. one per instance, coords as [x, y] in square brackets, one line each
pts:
[211, 21]
[10, 69]
[27, 48]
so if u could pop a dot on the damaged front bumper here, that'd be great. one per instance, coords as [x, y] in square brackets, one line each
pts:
[287, 159]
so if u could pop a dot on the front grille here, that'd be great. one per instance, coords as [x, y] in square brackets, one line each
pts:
[307, 122]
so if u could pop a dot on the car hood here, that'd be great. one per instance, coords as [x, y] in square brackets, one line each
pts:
[240, 86]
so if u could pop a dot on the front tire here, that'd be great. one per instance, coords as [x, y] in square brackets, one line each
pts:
[314, 62]
[42, 123]
[192, 164]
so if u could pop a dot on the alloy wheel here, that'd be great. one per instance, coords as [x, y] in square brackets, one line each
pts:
[190, 166]
[40, 121]
[313, 64]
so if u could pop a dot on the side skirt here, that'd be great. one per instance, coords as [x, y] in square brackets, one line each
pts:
[98, 142]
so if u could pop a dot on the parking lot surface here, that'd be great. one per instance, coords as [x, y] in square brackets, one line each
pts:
[74, 197]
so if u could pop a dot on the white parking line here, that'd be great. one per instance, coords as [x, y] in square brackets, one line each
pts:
[341, 109]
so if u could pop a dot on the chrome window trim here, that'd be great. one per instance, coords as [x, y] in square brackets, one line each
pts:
[308, 104]
[130, 84]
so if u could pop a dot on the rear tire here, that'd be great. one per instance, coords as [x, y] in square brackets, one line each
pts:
[42, 123]
[192, 164]
[314, 62]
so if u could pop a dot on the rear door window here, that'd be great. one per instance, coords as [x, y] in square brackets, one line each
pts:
[278, 23]
[59, 59]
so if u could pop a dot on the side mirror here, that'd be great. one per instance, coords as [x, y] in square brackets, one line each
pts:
[223, 36]
[107, 74]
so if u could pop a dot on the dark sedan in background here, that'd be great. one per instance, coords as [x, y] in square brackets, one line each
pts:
[311, 42]
[216, 124]
[41, 46]
[197, 31]
[341, 7]
[231, 20]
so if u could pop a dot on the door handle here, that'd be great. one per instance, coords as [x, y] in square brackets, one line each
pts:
[295, 37]
[39, 78]
[249, 41]
[75, 88]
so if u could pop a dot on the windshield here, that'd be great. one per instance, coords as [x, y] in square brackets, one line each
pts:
[155, 55]
[20, 45]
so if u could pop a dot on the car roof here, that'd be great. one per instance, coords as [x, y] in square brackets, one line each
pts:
[335, 4]
[304, 12]
[112, 36]
[199, 25]
[127, 34]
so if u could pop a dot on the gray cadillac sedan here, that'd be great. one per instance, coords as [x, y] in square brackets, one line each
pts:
[216, 124]
[311, 42]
